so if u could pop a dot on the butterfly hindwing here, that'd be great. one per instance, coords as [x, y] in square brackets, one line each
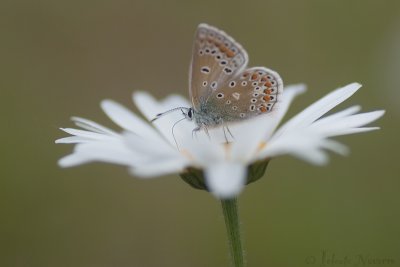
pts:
[251, 92]
[216, 58]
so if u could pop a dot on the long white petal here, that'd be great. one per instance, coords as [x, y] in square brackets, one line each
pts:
[225, 179]
[128, 120]
[339, 115]
[305, 144]
[111, 152]
[92, 126]
[73, 140]
[74, 159]
[342, 125]
[319, 108]
[159, 167]
[87, 134]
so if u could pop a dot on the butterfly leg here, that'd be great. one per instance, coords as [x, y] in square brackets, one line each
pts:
[226, 130]
[226, 137]
[230, 133]
[198, 128]
[195, 131]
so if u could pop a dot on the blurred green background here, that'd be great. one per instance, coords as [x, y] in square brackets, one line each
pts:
[61, 58]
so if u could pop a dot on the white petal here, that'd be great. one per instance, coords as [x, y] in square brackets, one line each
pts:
[225, 179]
[248, 134]
[335, 146]
[289, 93]
[352, 131]
[204, 151]
[329, 127]
[74, 159]
[87, 134]
[92, 126]
[150, 108]
[339, 115]
[304, 144]
[111, 152]
[319, 108]
[127, 120]
[73, 140]
[154, 148]
[159, 167]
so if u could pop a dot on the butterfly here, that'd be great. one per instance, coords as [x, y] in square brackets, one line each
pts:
[222, 89]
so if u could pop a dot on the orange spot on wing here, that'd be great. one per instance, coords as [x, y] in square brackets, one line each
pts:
[266, 98]
[223, 48]
[263, 109]
[267, 91]
[230, 53]
[264, 79]
[268, 84]
[254, 76]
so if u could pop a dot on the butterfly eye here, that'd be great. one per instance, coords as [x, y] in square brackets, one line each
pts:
[190, 113]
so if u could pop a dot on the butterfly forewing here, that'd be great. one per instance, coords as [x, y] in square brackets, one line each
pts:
[251, 92]
[217, 59]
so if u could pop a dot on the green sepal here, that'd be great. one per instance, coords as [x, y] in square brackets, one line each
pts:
[256, 170]
[195, 177]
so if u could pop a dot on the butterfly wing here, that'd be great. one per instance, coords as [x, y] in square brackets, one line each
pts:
[252, 92]
[216, 58]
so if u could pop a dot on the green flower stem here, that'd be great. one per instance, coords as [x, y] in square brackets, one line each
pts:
[231, 216]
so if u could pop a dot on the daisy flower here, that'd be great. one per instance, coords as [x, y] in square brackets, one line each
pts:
[227, 159]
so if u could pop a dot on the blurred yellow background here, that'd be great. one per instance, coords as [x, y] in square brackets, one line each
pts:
[61, 58]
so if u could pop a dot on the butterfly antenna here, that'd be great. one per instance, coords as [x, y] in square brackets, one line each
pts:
[173, 134]
[159, 115]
